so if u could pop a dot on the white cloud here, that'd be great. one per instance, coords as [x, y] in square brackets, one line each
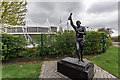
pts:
[91, 13]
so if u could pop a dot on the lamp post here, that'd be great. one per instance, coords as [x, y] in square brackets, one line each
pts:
[41, 46]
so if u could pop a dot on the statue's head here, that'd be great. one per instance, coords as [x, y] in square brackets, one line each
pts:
[78, 23]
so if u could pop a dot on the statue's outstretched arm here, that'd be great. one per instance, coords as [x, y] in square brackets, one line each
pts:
[71, 21]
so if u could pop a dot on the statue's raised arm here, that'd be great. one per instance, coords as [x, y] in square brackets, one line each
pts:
[80, 39]
[71, 21]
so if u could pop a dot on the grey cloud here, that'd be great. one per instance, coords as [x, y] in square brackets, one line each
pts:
[53, 11]
[101, 7]
[113, 25]
[39, 12]
[71, 6]
[47, 6]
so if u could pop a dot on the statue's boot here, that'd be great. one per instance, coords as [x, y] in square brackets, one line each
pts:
[82, 58]
[78, 60]
[78, 56]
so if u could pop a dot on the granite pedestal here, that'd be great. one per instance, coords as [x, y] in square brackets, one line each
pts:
[75, 70]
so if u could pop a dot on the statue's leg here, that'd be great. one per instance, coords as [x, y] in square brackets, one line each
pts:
[77, 45]
[82, 47]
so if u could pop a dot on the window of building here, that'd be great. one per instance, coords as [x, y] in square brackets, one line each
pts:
[32, 29]
[41, 29]
[19, 30]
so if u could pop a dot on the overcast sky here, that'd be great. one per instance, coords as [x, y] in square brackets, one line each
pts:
[92, 14]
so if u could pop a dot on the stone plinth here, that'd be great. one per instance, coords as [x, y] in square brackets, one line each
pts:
[75, 70]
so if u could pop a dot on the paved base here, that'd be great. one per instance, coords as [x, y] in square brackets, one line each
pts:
[49, 70]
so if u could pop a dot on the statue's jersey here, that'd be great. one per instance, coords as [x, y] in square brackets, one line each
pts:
[78, 32]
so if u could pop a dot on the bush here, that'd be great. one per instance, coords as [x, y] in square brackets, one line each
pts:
[65, 43]
[96, 42]
[11, 46]
[116, 39]
[53, 44]
[28, 53]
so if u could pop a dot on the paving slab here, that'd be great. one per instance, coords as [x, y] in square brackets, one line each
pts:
[49, 70]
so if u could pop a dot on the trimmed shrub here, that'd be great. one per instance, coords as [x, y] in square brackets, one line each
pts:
[11, 46]
[116, 39]
[28, 53]
[65, 43]
[53, 44]
[96, 42]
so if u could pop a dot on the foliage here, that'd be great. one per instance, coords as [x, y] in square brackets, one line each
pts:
[48, 44]
[11, 46]
[116, 39]
[27, 53]
[22, 71]
[65, 43]
[107, 30]
[96, 42]
[53, 44]
[13, 13]
[108, 61]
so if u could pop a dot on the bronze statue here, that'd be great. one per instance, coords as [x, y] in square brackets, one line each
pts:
[80, 40]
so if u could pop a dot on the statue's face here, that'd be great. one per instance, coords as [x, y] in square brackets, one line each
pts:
[78, 23]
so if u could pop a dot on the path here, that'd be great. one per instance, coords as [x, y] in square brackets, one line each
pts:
[49, 70]
[116, 44]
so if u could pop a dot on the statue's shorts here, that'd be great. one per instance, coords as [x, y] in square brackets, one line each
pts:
[80, 42]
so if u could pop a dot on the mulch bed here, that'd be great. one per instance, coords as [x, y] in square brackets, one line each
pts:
[22, 61]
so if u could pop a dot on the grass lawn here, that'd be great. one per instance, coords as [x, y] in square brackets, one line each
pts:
[22, 71]
[108, 61]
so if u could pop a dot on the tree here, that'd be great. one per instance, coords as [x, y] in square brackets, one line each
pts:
[12, 13]
[108, 30]
[116, 38]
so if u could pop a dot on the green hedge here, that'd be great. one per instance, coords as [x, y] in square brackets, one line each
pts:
[54, 44]
[11, 46]
[116, 39]
[65, 43]
[96, 42]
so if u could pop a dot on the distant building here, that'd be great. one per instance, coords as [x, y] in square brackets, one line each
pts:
[30, 30]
